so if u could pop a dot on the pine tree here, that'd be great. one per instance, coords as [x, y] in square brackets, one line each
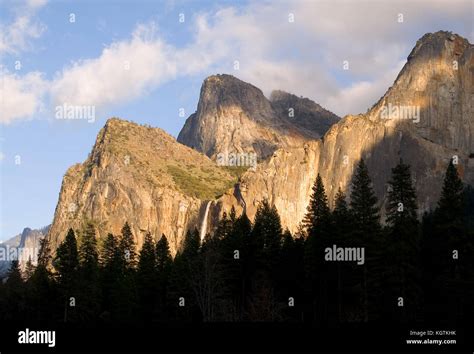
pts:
[29, 269]
[291, 275]
[112, 274]
[66, 263]
[341, 216]
[44, 254]
[367, 230]
[286, 265]
[449, 229]
[401, 207]
[273, 239]
[233, 257]
[14, 292]
[317, 223]
[147, 257]
[224, 227]
[163, 255]
[126, 288]
[317, 218]
[466, 266]
[242, 226]
[450, 204]
[88, 254]
[402, 276]
[14, 278]
[87, 301]
[345, 271]
[109, 252]
[266, 240]
[192, 242]
[147, 277]
[446, 247]
[206, 279]
[242, 232]
[364, 202]
[164, 264]
[185, 263]
[42, 296]
[268, 234]
[128, 247]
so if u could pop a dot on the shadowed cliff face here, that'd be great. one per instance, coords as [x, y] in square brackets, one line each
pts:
[234, 117]
[303, 113]
[143, 176]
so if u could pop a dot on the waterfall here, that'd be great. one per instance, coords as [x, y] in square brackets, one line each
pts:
[204, 222]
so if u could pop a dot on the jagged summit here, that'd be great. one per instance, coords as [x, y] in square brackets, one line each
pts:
[234, 117]
[439, 42]
[307, 113]
[437, 81]
[227, 91]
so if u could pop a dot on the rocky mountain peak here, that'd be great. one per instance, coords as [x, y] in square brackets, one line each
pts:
[439, 42]
[142, 175]
[303, 113]
[30, 238]
[27, 244]
[433, 92]
[25, 231]
[235, 117]
[219, 91]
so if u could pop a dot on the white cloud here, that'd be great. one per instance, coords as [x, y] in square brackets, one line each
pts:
[20, 96]
[304, 57]
[16, 37]
[34, 4]
[361, 95]
[123, 71]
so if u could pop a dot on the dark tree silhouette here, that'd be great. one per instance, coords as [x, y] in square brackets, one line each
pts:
[66, 263]
[402, 274]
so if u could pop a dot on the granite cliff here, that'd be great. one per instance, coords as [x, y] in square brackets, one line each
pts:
[143, 175]
[235, 117]
[23, 246]
[425, 118]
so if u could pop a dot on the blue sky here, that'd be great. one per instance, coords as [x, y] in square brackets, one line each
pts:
[83, 63]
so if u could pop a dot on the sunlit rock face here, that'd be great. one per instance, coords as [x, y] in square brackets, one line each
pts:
[234, 117]
[439, 79]
[144, 176]
[141, 175]
[436, 82]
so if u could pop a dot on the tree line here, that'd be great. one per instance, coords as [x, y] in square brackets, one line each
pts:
[414, 270]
